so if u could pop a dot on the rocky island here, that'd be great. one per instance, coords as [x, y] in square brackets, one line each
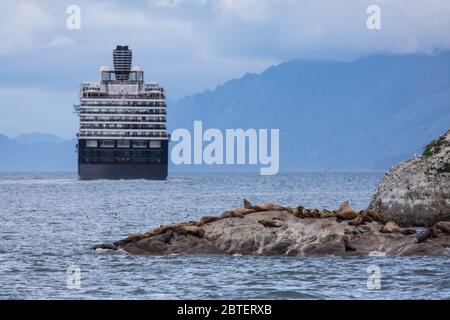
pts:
[272, 229]
[414, 193]
[417, 191]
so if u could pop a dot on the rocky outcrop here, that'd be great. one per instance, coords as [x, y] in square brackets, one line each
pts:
[277, 230]
[417, 191]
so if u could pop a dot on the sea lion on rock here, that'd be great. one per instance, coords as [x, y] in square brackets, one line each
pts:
[209, 219]
[192, 230]
[269, 223]
[247, 204]
[166, 237]
[407, 231]
[229, 214]
[392, 227]
[427, 234]
[268, 207]
[444, 226]
[359, 220]
[345, 212]
[375, 216]
[327, 214]
[298, 212]
[244, 211]
[314, 213]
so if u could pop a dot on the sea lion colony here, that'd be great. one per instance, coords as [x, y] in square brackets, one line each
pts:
[343, 213]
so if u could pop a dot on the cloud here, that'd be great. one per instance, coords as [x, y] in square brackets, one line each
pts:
[187, 45]
[190, 44]
[248, 11]
[176, 3]
[59, 41]
[21, 26]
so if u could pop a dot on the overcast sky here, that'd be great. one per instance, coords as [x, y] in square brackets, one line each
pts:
[187, 45]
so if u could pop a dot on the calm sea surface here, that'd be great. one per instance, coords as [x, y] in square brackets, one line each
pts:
[49, 221]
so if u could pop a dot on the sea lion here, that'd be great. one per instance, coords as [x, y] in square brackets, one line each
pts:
[268, 207]
[247, 204]
[314, 213]
[359, 220]
[407, 231]
[167, 236]
[392, 227]
[269, 223]
[228, 214]
[192, 230]
[425, 235]
[375, 216]
[366, 217]
[209, 219]
[132, 238]
[244, 211]
[298, 212]
[327, 214]
[444, 226]
[345, 212]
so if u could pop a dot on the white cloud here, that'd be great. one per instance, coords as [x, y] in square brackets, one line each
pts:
[247, 10]
[166, 3]
[59, 41]
[22, 25]
[176, 3]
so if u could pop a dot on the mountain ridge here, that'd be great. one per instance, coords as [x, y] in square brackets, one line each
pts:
[330, 112]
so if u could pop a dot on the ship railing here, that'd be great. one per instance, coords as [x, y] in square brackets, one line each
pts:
[162, 112]
[123, 120]
[107, 135]
[88, 126]
[102, 95]
[123, 104]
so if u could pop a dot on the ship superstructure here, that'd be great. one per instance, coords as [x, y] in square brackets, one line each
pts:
[123, 132]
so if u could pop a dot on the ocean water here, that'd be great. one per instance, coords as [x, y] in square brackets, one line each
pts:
[50, 220]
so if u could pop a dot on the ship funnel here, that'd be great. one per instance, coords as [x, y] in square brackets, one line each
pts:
[122, 62]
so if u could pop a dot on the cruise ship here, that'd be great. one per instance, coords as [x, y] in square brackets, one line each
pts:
[123, 132]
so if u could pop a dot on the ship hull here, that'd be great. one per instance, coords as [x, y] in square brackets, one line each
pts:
[116, 163]
[118, 171]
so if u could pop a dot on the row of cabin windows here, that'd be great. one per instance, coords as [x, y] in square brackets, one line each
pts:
[125, 118]
[123, 153]
[120, 160]
[125, 103]
[141, 144]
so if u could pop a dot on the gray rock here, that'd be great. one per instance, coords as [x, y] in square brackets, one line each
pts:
[294, 237]
[417, 191]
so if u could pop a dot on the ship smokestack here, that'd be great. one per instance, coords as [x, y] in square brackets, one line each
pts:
[122, 62]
